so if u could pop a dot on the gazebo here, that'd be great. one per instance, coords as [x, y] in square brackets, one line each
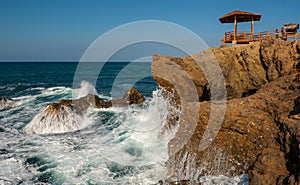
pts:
[236, 37]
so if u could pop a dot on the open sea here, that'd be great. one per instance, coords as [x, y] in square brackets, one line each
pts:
[115, 146]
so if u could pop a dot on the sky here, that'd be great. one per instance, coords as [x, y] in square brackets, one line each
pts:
[61, 30]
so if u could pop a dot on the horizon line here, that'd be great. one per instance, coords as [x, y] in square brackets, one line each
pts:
[3, 61]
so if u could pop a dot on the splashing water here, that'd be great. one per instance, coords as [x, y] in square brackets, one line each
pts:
[117, 146]
[85, 89]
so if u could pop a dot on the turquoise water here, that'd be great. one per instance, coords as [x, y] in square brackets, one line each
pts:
[17, 78]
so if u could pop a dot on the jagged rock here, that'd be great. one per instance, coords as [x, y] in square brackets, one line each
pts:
[133, 96]
[260, 134]
[5, 102]
[66, 115]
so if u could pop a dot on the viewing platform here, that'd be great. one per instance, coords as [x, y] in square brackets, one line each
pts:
[246, 37]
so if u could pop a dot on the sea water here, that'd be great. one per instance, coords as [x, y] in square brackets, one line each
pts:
[113, 146]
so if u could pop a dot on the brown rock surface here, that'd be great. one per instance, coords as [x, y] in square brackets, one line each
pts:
[132, 96]
[245, 68]
[260, 134]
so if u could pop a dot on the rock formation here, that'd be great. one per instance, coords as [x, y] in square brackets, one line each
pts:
[66, 115]
[260, 134]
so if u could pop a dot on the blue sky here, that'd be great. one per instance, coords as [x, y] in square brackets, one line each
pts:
[63, 29]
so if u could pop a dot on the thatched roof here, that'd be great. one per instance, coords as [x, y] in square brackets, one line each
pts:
[291, 27]
[240, 15]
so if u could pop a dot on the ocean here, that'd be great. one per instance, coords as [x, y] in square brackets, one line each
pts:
[116, 145]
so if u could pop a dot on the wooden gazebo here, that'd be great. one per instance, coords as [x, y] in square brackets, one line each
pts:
[236, 37]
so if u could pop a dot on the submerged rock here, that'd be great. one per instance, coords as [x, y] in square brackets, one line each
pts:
[260, 133]
[66, 115]
[5, 102]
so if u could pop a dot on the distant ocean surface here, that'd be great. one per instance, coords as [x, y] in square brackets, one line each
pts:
[117, 146]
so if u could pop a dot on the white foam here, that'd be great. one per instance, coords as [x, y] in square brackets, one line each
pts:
[224, 180]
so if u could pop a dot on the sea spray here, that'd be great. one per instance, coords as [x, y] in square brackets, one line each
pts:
[85, 89]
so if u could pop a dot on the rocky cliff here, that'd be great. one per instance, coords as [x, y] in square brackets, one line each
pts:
[260, 130]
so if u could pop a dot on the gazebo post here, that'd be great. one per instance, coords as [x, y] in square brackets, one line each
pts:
[252, 28]
[234, 31]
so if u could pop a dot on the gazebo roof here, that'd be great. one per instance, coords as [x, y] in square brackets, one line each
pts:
[240, 17]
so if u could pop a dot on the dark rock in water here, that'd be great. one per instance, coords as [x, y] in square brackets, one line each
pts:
[5, 102]
[133, 96]
[5, 99]
[65, 115]
[260, 133]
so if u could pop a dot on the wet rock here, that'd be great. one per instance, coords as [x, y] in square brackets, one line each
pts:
[133, 96]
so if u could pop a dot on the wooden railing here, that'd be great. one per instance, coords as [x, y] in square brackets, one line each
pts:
[246, 37]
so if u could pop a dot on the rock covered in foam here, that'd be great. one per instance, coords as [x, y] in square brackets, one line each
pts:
[67, 115]
[55, 118]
